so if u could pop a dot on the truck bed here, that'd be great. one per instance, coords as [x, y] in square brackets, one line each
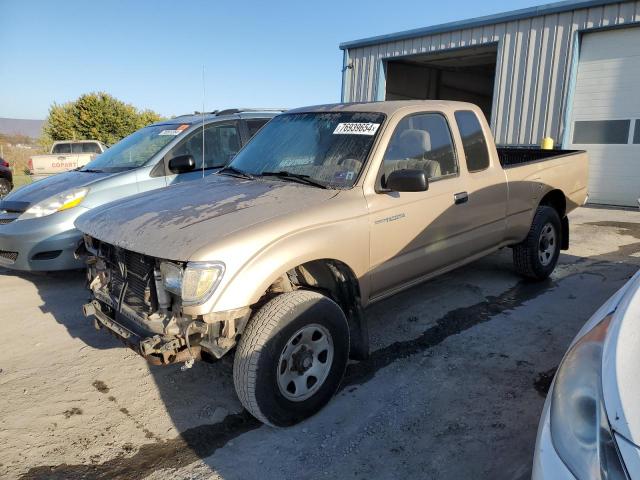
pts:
[531, 172]
[513, 156]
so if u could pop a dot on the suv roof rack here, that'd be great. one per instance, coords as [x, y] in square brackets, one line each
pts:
[231, 111]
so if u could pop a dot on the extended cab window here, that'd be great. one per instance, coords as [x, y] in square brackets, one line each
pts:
[421, 142]
[473, 141]
[62, 148]
[221, 143]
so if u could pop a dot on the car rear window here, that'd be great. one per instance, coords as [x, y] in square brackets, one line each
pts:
[62, 148]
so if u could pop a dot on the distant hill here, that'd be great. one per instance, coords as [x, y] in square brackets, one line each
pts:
[18, 126]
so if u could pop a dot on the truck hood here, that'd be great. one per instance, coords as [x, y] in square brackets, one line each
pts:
[35, 192]
[175, 222]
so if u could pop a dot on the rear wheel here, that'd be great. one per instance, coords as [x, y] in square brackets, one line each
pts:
[291, 357]
[537, 255]
[5, 187]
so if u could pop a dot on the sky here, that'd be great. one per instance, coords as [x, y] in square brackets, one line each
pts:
[151, 53]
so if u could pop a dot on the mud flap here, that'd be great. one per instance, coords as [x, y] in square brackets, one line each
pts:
[564, 244]
[359, 335]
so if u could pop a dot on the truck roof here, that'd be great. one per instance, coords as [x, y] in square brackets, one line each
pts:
[230, 113]
[387, 107]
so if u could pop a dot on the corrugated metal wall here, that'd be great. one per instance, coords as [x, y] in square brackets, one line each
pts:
[532, 71]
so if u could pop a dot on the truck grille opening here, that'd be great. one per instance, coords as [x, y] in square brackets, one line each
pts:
[11, 256]
[4, 221]
[132, 280]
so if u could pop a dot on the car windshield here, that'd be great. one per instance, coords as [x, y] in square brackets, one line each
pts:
[136, 149]
[327, 148]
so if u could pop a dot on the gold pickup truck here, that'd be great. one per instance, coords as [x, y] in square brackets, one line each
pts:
[327, 210]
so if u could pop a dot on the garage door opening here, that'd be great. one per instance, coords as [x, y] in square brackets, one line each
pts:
[465, 74]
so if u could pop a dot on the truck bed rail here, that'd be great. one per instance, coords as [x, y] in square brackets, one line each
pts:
[512, 156]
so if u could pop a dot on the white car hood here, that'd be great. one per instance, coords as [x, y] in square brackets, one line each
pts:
[621, 366]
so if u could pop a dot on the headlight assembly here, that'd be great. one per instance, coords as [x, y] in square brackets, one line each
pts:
[57, 203]
[195, 283]
[171, 277]
[200, 281]
[580, 430]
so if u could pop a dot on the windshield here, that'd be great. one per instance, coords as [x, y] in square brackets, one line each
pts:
[329, 148]
[136, 149]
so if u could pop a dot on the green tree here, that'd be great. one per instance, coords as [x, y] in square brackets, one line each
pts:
[94, 116]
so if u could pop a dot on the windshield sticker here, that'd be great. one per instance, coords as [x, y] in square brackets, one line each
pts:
[177, 131]
[344, 177]
[359, 128]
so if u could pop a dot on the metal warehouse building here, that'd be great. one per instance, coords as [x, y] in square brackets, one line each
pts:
[568, 70]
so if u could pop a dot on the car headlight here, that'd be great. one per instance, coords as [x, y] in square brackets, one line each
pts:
[195, 283]
[171, 277]
[580, 430]
[57, 203]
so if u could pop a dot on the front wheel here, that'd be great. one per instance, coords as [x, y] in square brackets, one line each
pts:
[291, 357]
[537, 255]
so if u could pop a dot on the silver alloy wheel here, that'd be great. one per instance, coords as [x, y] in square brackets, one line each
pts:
[305, 362]
[547, 244]
[4, 190]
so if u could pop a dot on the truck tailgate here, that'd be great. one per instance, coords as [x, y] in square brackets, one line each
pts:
[44, 165]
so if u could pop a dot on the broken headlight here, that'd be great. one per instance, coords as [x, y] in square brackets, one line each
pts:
[195, 283]
[171, 277]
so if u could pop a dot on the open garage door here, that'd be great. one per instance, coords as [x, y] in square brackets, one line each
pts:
[465, 74]
[605, 117]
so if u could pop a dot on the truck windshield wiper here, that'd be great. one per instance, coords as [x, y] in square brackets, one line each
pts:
[90, 170]
[295, 177]
[234, 172]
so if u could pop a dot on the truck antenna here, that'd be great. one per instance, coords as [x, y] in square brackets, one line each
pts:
[203, 97]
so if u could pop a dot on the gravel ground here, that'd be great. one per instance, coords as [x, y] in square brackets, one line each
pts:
[453, 389]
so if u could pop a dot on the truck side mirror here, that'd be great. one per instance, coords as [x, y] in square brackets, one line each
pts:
[182, 164]
[407, 181]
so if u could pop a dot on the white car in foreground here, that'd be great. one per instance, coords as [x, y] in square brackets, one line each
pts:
[590, 425]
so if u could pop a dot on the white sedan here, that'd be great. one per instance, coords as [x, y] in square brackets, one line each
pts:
[590, 425]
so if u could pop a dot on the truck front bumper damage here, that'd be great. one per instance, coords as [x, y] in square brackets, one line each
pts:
[156, 349]
[214, 337]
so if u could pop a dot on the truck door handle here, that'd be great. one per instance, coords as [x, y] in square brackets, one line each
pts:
[461, 197]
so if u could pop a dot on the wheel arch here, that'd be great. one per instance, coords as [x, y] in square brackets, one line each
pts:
[557, 200]
[335, 279]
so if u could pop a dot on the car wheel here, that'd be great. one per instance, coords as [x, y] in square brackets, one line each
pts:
[5, 187]
[537, 255]
[291, 357]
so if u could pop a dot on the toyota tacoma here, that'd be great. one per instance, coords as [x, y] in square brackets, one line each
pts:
[325, 211]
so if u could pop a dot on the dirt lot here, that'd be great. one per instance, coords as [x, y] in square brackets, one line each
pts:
[453, 389]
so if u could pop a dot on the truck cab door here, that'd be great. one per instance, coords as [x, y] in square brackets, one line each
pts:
[414, 234]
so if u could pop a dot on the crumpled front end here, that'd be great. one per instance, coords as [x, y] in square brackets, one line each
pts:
[129, 300]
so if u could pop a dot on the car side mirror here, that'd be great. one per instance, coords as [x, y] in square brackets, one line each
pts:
[182, 164]
[407, 181]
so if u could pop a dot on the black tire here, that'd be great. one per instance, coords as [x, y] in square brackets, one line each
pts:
[528, 256]
[257, 367]
[5, 187]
